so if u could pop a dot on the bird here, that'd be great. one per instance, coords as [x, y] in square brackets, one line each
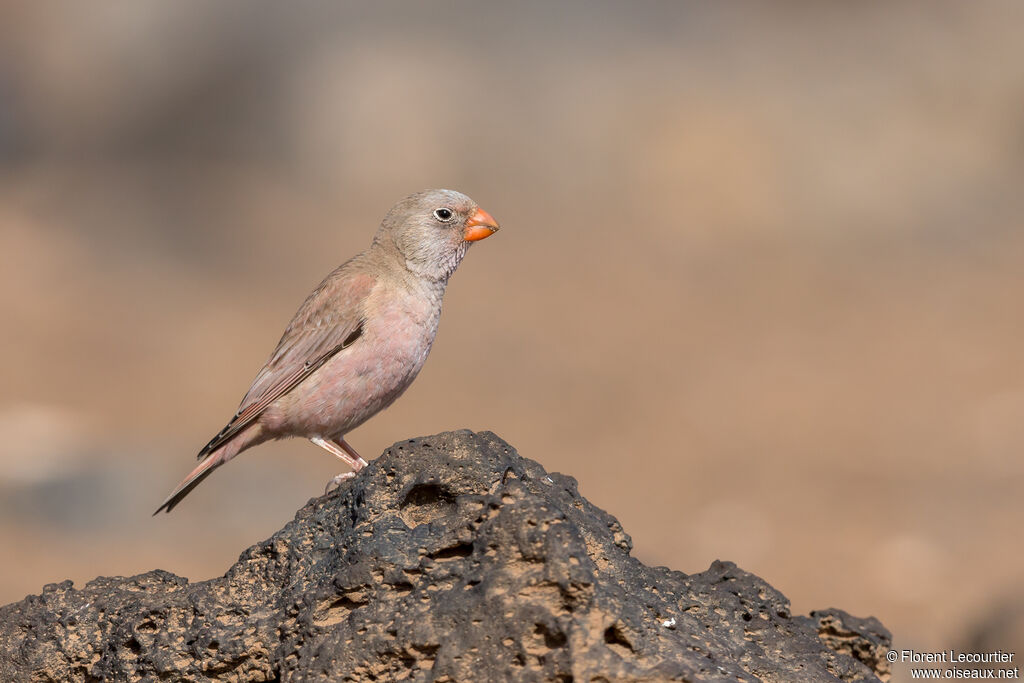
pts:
[359, 339]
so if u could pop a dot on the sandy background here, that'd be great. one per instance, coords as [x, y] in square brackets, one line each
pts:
[759, 286]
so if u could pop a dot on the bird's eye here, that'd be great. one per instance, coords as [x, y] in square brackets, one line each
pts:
[443, 214]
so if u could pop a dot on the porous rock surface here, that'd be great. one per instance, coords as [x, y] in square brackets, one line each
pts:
[449, 558]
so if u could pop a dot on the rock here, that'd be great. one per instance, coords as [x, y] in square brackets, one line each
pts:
[449, 558]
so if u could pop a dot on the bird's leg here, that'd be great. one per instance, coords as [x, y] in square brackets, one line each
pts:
[352, 452]
[340, 449]
[335, 449]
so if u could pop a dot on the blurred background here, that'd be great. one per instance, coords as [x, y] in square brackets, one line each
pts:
[759, 286]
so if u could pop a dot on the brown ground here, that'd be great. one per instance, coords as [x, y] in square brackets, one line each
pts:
[759, 287]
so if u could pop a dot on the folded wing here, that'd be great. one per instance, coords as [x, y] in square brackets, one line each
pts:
[328, 322]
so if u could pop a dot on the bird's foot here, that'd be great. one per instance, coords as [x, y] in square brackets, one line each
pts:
[336, 480]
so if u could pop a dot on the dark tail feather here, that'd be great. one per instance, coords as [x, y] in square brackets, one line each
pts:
[205, 468]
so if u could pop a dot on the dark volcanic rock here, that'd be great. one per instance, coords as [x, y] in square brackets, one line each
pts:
[449, 558]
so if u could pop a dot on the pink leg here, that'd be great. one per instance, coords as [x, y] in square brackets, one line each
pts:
[352, 452]
[340, 449]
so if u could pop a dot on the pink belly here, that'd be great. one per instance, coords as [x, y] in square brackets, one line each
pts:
[353, 386]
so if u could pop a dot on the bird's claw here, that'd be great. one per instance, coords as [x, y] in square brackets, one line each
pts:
[336, 481]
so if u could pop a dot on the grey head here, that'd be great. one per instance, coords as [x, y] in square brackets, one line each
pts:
[433, 229]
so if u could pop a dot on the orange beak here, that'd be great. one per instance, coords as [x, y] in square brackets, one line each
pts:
[480, 225]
